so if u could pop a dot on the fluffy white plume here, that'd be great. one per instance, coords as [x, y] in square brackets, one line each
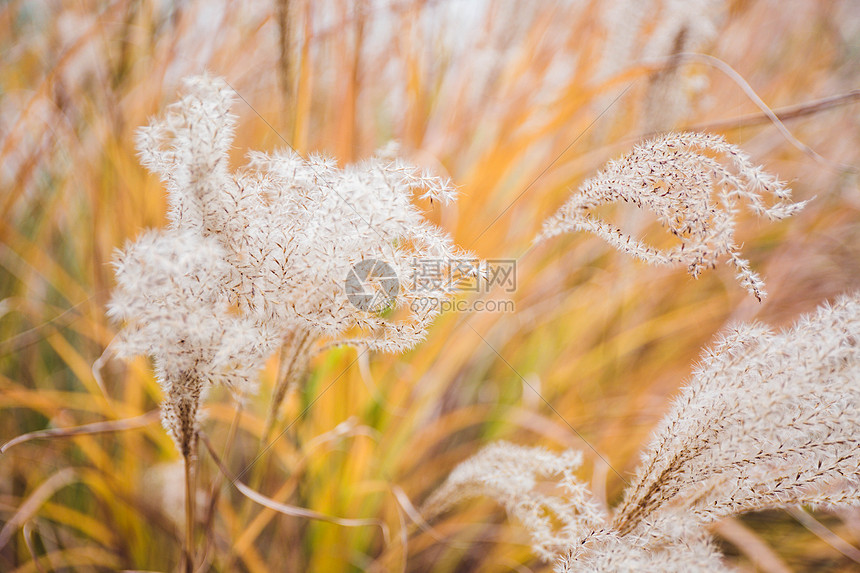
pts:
[292, 228]
[260, 258]
[769, 420]
[692, 194]
[509, 473]
[171, 308]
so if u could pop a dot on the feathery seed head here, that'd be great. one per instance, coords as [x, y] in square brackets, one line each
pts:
[257, 258]
[292, 228]
[769, 420]
[508, 473]
[170, 306]
[692, 193]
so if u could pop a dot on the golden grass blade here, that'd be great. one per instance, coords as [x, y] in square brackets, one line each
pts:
[29, 508]
[824, 533]
[751, 545]
[87, 429]
[28, 540]
[291, 509]
[45, 400]
[87, 524]
[79, 365]
[83, 557]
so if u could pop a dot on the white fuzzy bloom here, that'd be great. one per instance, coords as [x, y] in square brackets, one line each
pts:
[683, 550]
[293, 228]
[509, 473]
[693, 195]
[171, 307]
[260, 258]
[769, 420]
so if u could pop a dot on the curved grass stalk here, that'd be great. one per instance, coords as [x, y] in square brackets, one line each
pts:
[290, 510]
[87, 429]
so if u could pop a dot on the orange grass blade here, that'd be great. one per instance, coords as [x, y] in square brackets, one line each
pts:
[29, 508]
[291, 509]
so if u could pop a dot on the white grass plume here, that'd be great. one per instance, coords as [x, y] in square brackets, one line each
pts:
[508, 473]
[291, 228]
[288, 231]
[169, 305]
[768, 421]
[679, 178]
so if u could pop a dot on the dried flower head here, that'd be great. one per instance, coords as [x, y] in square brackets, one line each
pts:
[263, 254]
[769, 421]
[509, 473]
[292, 228]
[679, 178]
[171, 308]
[678, 551]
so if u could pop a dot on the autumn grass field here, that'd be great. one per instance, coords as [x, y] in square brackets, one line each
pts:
[518, 103]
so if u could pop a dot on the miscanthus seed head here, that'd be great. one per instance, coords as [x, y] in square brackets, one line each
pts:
[291, 228]
[769, 420]
[170, 306]
[509, 473]
[693, 183]
[257, 258]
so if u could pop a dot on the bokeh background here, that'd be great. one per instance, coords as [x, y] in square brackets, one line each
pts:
[518, 102]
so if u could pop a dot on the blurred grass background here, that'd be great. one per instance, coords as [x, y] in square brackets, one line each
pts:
[492, 94]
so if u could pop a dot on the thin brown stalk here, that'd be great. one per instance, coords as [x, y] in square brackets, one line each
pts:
[293, 362]
[783, 113]
[86, 429]
[215, 490]
[188, 554]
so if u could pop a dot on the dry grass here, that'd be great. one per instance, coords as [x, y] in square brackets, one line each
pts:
[494, 103]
